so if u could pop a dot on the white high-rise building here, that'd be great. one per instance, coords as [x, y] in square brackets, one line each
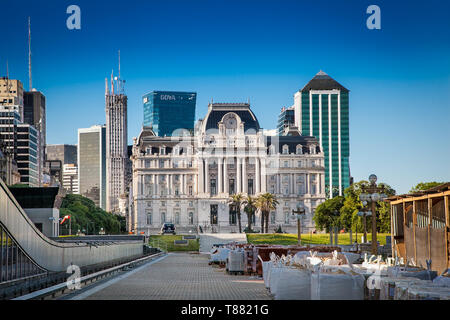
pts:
[92, 164]
[70, 178]
[188, 180]
[116, 144]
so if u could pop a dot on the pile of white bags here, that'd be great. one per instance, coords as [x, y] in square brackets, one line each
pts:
[219, 255]
[312, 275]
[414, 272]
[274, 276]
[443, 279]
[293, 284]
[388, 287]
[337, 284]
[428, 292]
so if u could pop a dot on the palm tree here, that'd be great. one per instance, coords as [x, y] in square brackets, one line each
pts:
[250, 208]
[266, 202]
[236, 201]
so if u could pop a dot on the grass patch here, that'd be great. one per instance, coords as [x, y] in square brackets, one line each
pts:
[318, 238]
[168, 240]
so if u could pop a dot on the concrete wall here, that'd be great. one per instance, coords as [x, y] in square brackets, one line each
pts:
[48, 217]
[52, 255]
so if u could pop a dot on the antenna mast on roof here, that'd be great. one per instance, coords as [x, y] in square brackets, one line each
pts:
[7, 78]
[30, 84]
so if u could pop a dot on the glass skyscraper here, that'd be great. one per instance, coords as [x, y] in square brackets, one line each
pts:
[92, 164]
[322, 111]
[166, 111]
[285, 119]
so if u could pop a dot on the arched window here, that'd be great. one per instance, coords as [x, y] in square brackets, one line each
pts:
[285, 149]
[299, 149]
[149, 218]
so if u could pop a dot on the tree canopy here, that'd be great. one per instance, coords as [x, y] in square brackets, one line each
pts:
[86, 216]
[425, 186]
[348, 206]
[327, 214]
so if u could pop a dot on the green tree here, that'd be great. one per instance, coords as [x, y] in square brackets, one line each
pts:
[265, 203]
[86, 216]
[236, 200]
[425, 186]
[327, 214]
[250, 209]
[352, 205]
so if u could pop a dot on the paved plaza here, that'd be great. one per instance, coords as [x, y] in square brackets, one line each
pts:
[182, 276]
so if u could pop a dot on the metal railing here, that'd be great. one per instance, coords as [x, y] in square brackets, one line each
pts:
[62, 287]
[15, 264]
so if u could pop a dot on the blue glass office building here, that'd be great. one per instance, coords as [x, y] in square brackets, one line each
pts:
[166, 111]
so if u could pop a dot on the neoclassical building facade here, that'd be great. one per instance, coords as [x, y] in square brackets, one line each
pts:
[188, 179]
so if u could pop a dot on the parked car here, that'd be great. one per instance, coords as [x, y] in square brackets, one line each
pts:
[167, 228]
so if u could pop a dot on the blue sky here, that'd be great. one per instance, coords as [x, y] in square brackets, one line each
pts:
[230, 51]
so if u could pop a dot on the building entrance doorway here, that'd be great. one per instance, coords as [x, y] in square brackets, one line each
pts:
[214, 214]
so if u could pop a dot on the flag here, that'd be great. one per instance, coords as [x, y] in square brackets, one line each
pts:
[64, 219]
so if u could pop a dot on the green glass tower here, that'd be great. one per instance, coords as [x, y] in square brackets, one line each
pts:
[322, 111]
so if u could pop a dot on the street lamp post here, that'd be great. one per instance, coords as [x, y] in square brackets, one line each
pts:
[373, 194]
[365, 214]
[298, 213]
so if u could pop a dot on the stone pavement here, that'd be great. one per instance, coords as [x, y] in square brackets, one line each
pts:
[183, 276]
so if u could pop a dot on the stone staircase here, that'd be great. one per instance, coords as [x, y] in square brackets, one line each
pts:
[207, 240]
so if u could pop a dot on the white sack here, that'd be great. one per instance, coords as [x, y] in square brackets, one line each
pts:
[293, 284]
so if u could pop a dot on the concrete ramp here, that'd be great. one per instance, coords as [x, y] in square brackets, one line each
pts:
[207, 240]
[21, 241]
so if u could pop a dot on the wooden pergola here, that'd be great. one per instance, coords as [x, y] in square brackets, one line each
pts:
[420, 227]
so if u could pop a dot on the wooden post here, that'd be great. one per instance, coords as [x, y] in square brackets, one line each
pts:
[394, 254]
[447, 229]
[430, 209]
[374, 230]
[414, 229]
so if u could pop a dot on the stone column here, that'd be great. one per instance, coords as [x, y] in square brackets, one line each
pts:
[200, 176]
[141, 185]
[263, 176]
[308, 190]
[225, 176]
[183, 180]
[154, 184]
[219, 175]
[244, 176]
[195, 184]
[168, 184]
[257, 175]
[292, 183]
[207, 185]
[238, 175]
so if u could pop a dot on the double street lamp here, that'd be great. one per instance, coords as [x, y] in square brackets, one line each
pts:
[372, 194]
[364, 214]
[298, 213]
